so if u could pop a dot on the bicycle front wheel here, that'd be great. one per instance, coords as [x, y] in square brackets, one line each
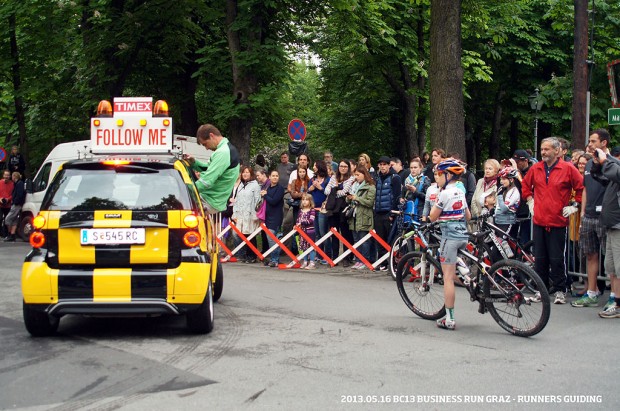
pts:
[515, 308]
[400, 246]
[420, 284]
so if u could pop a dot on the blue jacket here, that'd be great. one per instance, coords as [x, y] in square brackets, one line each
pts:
[388, 192]
[275, 203]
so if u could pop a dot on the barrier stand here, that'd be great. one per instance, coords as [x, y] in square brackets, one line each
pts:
[313, 245]
[352, 248]
[279, 244]
[247, 242]
[385, 245]
[230, 257]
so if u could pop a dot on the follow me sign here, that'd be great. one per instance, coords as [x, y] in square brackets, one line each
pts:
[132, 129]
[613, 116]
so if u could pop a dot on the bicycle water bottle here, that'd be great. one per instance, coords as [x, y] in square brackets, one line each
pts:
[463, 270]
[507, 248]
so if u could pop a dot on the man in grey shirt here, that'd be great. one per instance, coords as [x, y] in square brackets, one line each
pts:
[285, 168]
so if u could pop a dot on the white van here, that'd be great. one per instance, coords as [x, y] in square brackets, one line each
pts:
[37, 187]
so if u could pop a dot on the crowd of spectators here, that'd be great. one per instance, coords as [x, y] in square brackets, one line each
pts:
[556, 202]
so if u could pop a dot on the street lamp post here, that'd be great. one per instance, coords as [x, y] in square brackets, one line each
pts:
[536, 103]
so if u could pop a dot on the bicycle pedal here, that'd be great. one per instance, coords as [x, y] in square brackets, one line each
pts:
[482, 308]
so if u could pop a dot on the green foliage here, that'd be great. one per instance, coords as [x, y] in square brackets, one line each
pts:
[342, 66]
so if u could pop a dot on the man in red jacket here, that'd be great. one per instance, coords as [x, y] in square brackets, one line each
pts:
[548, 188]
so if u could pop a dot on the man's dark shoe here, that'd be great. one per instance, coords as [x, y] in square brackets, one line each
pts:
[9, 239]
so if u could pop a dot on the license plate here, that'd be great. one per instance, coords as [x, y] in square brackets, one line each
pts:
[90, 236]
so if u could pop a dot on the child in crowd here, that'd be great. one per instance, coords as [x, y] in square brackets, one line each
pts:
[305, 220]
[508, 200]
[452, 212]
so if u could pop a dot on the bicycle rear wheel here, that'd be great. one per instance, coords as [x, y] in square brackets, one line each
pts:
[420, 284]
[513, 306]
[400, 247]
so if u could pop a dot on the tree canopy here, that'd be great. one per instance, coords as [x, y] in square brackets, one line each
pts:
[359, 73]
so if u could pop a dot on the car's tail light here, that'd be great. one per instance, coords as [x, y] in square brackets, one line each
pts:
[191, 238]
[190, 221]
[37, 239]
[38, 222]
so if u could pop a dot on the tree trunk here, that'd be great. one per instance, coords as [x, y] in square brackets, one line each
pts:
[421, 114]
[408, 138]
[497, 126]
[244, 82]
[514, 135]
[580, 74]
[20, 112]
[189, 112]
[446, 77]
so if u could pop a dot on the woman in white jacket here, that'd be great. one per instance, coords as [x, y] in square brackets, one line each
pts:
[244, 211]
[486, 186]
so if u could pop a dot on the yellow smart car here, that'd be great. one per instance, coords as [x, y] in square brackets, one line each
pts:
[121, 235]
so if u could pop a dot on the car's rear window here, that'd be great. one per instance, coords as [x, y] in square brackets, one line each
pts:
[118, 188]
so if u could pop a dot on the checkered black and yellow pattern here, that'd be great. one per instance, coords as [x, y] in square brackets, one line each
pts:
[160, 269]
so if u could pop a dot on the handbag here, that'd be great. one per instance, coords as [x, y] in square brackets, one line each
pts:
[261, 211]
[333, 203]
[259, 204]
[348, 211]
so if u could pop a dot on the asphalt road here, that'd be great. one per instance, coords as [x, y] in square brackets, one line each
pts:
[325, 339]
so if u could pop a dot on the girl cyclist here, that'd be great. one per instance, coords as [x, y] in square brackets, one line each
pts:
[452, 212]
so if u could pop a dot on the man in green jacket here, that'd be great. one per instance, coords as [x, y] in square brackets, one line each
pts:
[221, 170]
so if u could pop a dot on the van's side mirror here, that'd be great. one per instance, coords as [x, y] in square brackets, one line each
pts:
[29, 186]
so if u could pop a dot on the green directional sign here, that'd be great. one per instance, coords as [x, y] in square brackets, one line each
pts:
[613, 116]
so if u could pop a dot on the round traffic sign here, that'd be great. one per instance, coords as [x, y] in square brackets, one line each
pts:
[2, 154]
[297, 130]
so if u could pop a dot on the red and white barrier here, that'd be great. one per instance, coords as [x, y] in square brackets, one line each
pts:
[315, 245]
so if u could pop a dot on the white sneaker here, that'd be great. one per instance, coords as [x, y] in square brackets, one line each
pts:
[303, 264]
[560, 298]
[536, 298]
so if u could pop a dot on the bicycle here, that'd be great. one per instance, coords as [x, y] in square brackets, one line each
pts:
[412, 234]
[499, 245]
[518, 310]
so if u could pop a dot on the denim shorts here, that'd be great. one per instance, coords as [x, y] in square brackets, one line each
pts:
[448, 250]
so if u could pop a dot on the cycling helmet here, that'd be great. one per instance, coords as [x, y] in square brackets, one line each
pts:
[507, 172]
[450, 165]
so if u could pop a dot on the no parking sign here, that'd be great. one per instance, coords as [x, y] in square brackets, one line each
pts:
[2, 154]
[297, 130]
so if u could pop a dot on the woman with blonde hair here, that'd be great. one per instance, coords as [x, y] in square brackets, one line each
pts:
[364, 161]
[486, 185]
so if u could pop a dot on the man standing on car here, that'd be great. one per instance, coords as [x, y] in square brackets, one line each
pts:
[222, 169]
[547, 189]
